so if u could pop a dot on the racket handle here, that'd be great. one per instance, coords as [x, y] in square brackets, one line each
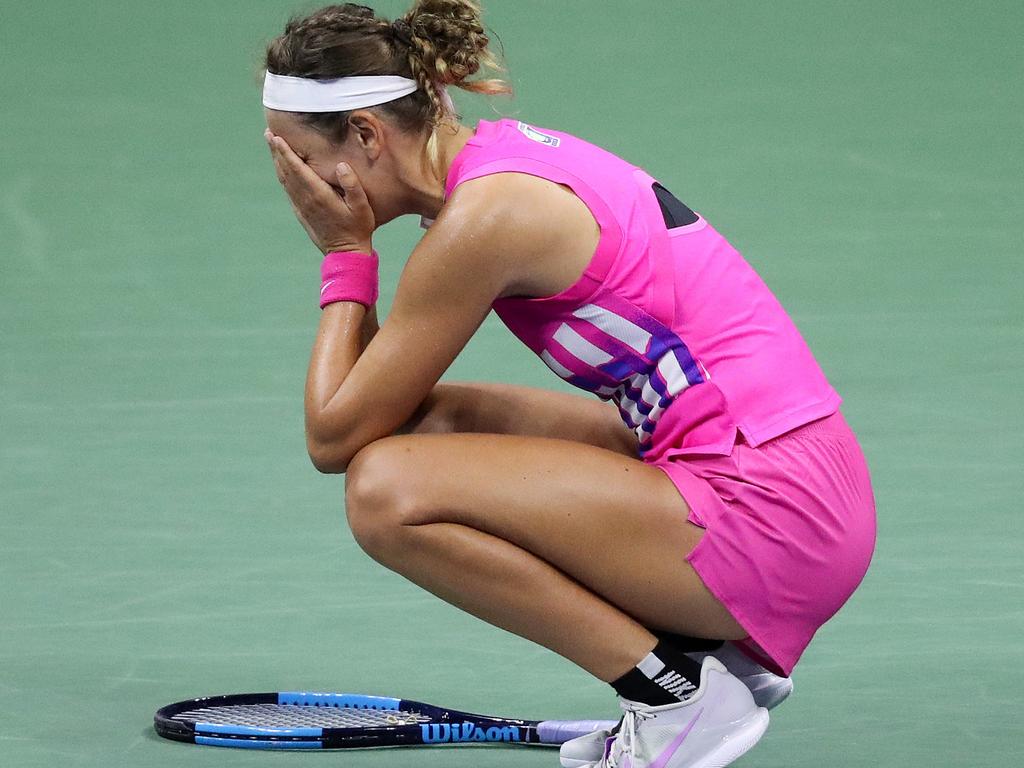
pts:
[560, 731]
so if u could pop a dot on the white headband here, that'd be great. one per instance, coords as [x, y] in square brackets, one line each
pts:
[300, 94]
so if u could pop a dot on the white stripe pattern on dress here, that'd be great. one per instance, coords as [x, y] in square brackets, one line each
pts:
[590, 356]
[616, 326]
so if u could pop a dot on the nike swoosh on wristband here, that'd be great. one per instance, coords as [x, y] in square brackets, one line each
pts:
[325, 287]
[662, 760]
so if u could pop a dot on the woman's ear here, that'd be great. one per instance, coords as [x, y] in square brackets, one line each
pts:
[368, 133]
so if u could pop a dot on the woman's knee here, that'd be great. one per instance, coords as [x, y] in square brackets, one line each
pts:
[378, 503]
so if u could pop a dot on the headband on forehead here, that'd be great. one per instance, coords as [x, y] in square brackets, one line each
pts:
[301, 94]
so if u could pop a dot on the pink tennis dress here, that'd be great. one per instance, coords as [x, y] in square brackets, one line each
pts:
[672, 325]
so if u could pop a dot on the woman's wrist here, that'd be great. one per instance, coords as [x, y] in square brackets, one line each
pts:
[347, 247]
[349, 276]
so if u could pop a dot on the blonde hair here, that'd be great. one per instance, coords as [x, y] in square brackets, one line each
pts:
[438, 43]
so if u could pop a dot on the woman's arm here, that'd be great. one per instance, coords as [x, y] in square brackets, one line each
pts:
[468, 258]
[496, 236]
[369, 328]
[446, 290]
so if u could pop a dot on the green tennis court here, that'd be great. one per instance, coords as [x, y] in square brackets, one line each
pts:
[162, 532]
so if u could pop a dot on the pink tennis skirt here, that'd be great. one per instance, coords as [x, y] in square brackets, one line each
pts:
[790, 530]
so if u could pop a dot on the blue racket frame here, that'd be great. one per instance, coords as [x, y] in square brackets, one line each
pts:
[434, 725]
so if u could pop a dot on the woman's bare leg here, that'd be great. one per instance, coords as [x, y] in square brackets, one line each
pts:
[507, 409]
[572, 546]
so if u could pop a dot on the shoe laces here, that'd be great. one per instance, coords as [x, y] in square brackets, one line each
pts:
[634, 713]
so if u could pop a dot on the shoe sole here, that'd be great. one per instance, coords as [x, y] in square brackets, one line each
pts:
[738, 744]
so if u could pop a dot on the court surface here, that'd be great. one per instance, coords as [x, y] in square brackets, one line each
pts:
[162, 533]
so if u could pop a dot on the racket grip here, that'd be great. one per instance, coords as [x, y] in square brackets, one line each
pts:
[560, 731]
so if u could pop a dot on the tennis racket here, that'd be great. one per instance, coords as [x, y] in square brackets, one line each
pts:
[347, 720]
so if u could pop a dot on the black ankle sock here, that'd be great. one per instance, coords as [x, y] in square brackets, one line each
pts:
[688, 644]
[665, 676]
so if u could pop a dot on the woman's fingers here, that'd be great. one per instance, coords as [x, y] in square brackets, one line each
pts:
[274, 156]
[334, 221]
[301, 183]
[355, 197]
[293, 168]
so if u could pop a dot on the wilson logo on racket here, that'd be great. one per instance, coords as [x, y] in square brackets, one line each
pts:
[440, 733]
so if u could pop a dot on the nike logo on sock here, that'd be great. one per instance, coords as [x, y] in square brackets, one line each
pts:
[676, 684]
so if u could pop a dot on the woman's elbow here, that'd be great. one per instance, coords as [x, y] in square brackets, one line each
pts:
[328, 458]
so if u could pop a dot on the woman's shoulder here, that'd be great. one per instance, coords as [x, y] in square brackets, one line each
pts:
[507, 203]
[521, 221]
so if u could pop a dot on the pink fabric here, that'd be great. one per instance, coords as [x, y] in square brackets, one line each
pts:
[349, 276]
[751, 370]
[708, 370]
[790, 530]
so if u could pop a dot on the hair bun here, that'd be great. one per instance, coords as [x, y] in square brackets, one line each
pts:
[448, 38]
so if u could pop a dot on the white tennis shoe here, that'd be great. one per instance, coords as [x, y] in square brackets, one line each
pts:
[769, 690]
[711, 729]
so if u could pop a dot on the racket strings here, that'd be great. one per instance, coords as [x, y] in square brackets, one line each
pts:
[300, 716]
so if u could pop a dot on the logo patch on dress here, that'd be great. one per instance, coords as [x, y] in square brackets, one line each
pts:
[532, 133]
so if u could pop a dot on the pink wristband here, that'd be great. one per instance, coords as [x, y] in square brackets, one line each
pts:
[349, 276]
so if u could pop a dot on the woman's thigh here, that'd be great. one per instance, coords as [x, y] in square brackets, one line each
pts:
[613, 523]
[506, 409]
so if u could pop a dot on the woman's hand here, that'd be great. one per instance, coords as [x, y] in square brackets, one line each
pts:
[335, 220]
